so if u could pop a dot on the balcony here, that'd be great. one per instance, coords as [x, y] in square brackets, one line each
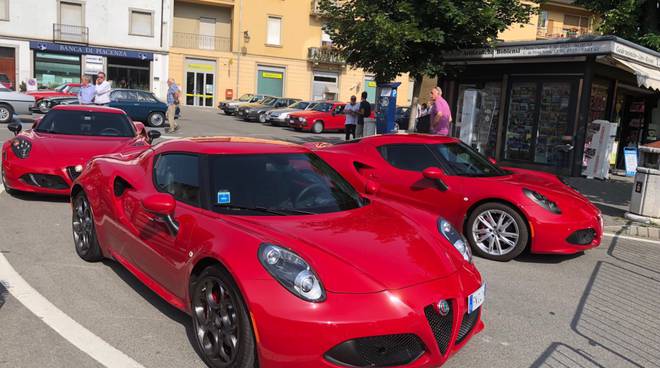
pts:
[201, 42]
[316, 8]
[325, 55]
[554, 31]
[70, 33]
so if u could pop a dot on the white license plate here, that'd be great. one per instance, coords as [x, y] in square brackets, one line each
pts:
[476, 299]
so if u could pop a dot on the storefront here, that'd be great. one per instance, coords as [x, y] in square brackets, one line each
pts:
[8, 67]
[55, 64]
[270, 80]
[200, 82]
[533, 104]
[325, 85]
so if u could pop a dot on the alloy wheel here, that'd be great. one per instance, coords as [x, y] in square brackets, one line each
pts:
[216, 318]
[495, 232]
[156, 120]
[4, 113]
[83, 226]
[262, 118]
[43, 107]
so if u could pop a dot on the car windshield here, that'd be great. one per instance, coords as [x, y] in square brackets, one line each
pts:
[269, 101]
[245, 97]
[302, 105]
[60, 88]
[71, 122]
[459, 159]
[281, 184]
[323, 107]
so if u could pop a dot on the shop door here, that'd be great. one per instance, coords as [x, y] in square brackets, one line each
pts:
[200, 89]
[631, 117]
[270, 82]
[540, 123]
[370, 88]
[8, 67]
[324, 86]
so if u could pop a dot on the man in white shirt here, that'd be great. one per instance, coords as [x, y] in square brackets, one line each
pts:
[103, 87]
[351, 111]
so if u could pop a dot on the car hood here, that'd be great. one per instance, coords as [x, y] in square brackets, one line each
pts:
[16, 96]
[254, 106]
[283, 111]
[307, 113]
[73, 149]
[377, 243]
[47, 93]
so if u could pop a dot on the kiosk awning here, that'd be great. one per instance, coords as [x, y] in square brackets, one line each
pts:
[646, 76]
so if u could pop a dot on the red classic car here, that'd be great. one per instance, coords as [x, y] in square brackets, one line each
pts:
[65, 90]
[323, 117]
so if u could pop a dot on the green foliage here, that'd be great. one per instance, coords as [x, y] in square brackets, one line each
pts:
[635, 20]
[391, 37]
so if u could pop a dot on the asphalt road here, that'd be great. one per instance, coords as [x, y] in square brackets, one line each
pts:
[597, 309]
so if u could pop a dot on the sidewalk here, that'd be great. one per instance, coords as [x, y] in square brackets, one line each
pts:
[612, 197]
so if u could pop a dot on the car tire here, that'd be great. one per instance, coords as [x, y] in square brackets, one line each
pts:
[6, 113]
[497, 231]
[262, 118]
[298, 129]
[84, 230]
[317, 127]
[214, 290]
[9, 190]
[156, 119]
[43, 106]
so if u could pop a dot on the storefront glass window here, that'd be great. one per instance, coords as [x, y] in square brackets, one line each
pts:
[553, 123]
[128, 73]
[485, 112]
[52, 70]
[597, 111]
[521, 121]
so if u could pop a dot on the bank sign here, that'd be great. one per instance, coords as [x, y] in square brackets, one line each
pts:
[90, 50]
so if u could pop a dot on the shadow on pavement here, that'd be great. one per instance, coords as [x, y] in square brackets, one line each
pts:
[559, 355]
[614, 192]
[165, 308]
[619, 312]
[642, 255]
[34, 197]
[527, 257]
[4, 294]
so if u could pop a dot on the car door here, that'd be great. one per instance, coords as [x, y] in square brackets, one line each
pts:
[119, 100]
[158, 251]
[146, 104]
[337, 118]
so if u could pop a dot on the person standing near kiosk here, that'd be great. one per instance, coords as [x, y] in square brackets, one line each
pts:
[364, 112]
[440, 113]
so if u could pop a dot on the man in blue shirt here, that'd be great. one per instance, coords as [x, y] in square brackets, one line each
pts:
[172, 102]
[86, 92]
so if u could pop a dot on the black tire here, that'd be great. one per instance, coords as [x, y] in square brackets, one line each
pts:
[156, 119]
[298, 129]
[84, 230]
[317, 127]
[9, 190]
[6, 113]
[490, 228]
[215, 286]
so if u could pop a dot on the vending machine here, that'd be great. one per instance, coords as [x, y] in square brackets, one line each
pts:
[386, 109]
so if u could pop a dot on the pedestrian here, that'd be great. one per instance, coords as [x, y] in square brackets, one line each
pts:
[87, 91]
[351, 111]
[102, 90]
[364, 112]
[424, 120]
[172, 104]
[440, 113]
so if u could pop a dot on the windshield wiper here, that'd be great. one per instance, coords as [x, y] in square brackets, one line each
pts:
[293, 211]
[247, 208]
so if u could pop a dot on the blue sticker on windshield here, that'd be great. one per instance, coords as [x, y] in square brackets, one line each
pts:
[224, 197]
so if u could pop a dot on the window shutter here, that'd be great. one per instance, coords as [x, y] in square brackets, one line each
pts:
[141, 23]
[274, 31]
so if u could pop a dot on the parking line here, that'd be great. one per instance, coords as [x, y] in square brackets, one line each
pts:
[64, 325]
[631, 238]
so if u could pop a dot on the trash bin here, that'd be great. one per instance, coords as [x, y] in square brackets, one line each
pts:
[645, 199]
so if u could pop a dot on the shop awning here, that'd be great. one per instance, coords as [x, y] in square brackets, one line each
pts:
[646, 76]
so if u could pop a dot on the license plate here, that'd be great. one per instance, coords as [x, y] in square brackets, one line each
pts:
[476, 299]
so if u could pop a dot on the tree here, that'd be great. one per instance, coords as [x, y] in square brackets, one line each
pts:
[634, 20]
[392, 37]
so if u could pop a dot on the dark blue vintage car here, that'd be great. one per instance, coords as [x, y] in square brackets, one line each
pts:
[140, 106]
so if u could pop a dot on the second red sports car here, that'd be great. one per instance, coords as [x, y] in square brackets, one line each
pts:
[501, 211]
[278, 259]
[49, 156]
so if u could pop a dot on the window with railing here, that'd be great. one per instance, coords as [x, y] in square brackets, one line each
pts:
[572, 26]
[198, 41]
[70, 33]
[325, 55]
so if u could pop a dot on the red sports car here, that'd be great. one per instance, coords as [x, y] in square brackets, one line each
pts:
[325, 116]
[279, 260]
[502, 211]
[49, 156]
[65, 90]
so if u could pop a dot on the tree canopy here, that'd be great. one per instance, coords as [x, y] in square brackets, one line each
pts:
[391, 37]
[634, 20]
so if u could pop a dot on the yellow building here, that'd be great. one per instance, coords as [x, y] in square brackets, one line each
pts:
[224, 48]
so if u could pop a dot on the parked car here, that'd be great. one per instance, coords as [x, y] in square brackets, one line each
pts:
[231, 107]
[50, 155]
[501, 210]
[277, 258]
[48, 103]
[257, 111]
[65, 90]
[140, 106]
[6, 82]
[12, 102]
[325, 116]
[280, 117]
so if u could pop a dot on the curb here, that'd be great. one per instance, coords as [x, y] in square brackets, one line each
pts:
[650, 232]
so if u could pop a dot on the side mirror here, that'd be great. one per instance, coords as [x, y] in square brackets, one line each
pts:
[371, 187]
[436, 175]
[139, 127]
[492, 160]
[15, 128]
[333, 113]
[163, 206]
[153, 134]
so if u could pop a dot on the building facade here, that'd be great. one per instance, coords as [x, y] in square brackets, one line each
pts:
[57, 41]
[224, 48]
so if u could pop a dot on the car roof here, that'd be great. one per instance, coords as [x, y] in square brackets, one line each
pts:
[414, 138]
[130, 90]
[89, 108]
[230, 145]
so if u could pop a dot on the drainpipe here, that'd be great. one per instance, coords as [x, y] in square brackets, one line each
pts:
[162, 18]
[240, 37]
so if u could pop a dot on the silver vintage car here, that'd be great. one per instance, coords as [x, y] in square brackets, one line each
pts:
[13, 103]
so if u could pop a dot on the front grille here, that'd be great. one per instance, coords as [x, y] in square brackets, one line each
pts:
[440, 325]
[45, 181]
[377, 351]
[73, 174]
[468, 323]
[582, 237]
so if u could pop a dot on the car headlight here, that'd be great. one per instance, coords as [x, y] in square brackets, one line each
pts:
[542, 201]
[284, 116]
[21, 147]
[292, 272]
[455, 238]
[303, 120]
